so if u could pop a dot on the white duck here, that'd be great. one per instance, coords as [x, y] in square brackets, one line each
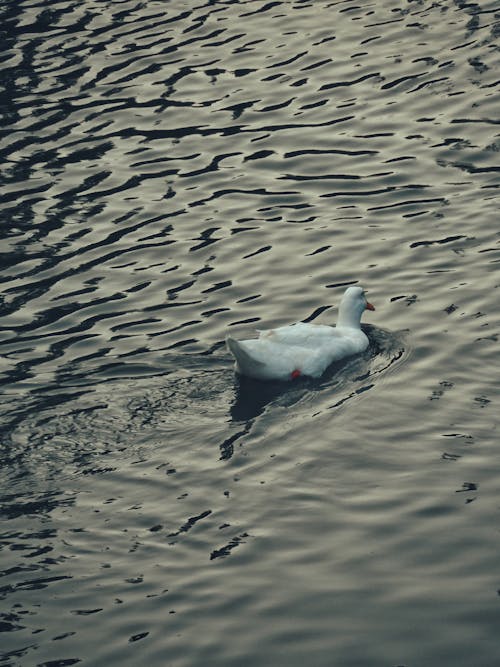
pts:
[299, 349]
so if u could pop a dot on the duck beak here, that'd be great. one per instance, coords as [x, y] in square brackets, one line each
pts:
[369, 306]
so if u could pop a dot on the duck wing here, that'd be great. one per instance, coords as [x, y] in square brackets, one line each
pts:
[301, 333]
[266, 359]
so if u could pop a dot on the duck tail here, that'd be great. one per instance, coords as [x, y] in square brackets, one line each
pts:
[245, 363]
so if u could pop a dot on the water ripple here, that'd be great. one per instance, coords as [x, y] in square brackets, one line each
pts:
[172, 173]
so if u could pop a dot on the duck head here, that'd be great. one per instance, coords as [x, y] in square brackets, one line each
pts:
[352, 307]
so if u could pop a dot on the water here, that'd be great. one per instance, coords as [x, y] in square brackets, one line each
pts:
[175, 171]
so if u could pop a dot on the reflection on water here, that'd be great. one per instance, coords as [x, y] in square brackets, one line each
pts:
[174, 173]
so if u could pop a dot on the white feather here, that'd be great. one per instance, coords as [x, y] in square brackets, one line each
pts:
[303, 349]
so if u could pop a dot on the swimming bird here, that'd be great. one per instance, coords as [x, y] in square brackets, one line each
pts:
[288, 352]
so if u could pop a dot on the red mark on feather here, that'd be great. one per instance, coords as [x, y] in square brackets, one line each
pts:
[296, 374]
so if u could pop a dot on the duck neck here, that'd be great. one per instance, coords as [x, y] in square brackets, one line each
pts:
[349, 318]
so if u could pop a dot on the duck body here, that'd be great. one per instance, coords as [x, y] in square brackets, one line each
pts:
[288, 352]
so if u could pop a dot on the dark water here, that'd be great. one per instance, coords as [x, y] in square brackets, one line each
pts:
[173, 171]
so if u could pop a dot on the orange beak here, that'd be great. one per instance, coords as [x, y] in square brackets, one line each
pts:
[369, 306]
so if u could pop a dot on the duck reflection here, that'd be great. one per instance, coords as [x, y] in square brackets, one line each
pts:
[253, 396]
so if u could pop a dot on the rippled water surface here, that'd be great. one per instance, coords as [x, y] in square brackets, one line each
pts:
[172, 172]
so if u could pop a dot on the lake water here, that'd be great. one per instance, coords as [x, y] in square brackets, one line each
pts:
[172, 172]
